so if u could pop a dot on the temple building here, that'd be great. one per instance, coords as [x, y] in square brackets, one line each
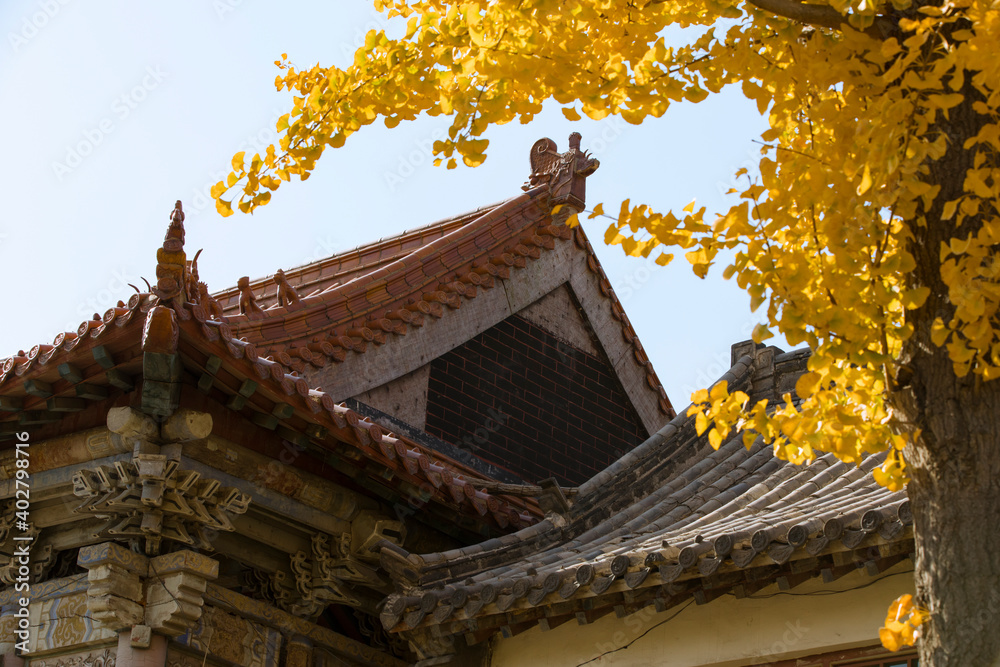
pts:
[443, 447]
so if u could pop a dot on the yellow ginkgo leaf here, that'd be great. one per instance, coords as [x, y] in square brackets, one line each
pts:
[700, 423]
[224, 207]
[866, 181]
[807, 384]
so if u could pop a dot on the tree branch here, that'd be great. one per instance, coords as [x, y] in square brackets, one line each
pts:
[821, 16]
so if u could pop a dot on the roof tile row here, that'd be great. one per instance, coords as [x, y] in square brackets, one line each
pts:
[670, 520]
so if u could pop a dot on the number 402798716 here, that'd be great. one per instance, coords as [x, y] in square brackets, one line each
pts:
[22, 491]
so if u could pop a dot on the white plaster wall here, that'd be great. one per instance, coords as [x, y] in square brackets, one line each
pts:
[723, 633]
[405, 398]
[557, 313]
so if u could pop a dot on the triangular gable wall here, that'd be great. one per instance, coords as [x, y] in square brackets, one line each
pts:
[559, 313]
[529, 402]
[534, 395]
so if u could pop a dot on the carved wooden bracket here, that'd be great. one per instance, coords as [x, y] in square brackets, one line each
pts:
[165, 593]
[149, 499]
[319, 576]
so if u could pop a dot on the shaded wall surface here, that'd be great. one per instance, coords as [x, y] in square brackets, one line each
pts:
[529, 402]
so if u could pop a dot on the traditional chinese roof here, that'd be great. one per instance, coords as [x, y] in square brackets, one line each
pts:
[169, 349]
[177, 344]
[670, 521]
[368, 300]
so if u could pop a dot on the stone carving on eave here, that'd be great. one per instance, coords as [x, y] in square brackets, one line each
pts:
[155, 506]
[149, 499]
[106, 658]
[325, 573]
[43, 556]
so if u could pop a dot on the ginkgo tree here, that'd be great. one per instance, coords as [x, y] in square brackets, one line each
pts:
[871, 234]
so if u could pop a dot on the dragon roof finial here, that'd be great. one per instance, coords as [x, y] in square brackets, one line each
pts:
[564, 173]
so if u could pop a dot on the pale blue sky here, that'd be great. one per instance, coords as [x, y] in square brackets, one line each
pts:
[113, 110]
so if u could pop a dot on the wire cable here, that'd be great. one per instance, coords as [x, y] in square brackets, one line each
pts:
[626, 646]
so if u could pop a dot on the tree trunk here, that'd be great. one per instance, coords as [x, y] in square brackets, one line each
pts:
[955, 496]
[955, 463]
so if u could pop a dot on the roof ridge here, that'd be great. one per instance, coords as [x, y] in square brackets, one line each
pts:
[294, 272]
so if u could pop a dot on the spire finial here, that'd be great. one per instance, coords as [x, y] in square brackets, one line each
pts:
[171, 260]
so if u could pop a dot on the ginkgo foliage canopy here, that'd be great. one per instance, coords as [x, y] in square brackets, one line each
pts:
[870, 234]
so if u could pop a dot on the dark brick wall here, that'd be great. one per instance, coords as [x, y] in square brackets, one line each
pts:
[520, 398]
